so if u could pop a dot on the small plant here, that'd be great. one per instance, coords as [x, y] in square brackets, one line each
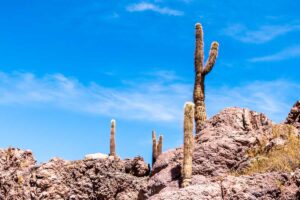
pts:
[20, 179]
[188, 146]
[283, 158]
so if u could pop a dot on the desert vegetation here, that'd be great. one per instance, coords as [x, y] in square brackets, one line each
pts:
[112, 138]
[188, 144]
[201, 71]
[156, 146]
[280, 154]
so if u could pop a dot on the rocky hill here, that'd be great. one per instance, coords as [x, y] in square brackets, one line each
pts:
[230, 161]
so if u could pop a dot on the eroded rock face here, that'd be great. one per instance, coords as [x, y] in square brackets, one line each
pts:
[261, 186]
[204, 192]
[293, 117]
[107, 178]
[223, 143]
[220, 148]
[15, 169]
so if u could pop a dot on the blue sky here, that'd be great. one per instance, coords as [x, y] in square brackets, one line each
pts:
[68, 67]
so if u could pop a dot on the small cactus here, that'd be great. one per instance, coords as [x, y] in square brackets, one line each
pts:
[201, 71]
[112, 138]
[188, 146]
[154, 147]
[159, 145]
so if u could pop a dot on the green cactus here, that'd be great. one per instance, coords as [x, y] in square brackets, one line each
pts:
[154, 147]
[159, 145]
[201, 71]
[188, 146]
[112, 138]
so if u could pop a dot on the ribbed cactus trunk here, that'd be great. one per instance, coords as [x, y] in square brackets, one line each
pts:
[188, 146]
[200, 73]
[112, 138]
[154, 147]
[160, 145]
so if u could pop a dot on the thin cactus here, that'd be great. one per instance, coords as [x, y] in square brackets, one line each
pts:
[188, 146]
[112, 138]
[154, 147]
[159, 145]
[201, 71]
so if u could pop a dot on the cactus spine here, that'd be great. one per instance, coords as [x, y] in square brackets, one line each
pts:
[154, 147]
[188, 146]
[112, 138]
[200, 72]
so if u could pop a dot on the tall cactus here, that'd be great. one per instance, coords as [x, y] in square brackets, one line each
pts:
[154, 147]
[201, 71]
[188, 146]
[159, 145]
[112, 138]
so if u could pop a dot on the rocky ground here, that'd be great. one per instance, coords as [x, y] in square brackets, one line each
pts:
[221, 152]
[109, 178]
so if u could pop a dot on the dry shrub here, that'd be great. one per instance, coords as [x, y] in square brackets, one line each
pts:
[283, 158]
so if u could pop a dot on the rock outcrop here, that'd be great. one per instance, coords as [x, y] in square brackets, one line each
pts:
[107, 178]
[222, 152]
[220, 148]
[260, 186]
[293, 117]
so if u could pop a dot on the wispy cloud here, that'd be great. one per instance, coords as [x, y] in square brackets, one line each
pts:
[143, 6]
[263, 34]
[152, 99]
[164, 75]
[287, 53]
[274, 98]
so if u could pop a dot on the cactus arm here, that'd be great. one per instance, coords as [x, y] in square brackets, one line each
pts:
[212, 58]
[199, 54]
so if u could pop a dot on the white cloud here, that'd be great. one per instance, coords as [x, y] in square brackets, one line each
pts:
[287, 53]
[274, 98]
[143, 6]
[151, 99]
[164, 75]
[261, 35]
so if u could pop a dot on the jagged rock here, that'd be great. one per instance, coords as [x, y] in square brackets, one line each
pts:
[293, 117]
[260, 186]
[137, 167]
[220, 148]
[20, 178]
[204, 192]
[15, 169]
